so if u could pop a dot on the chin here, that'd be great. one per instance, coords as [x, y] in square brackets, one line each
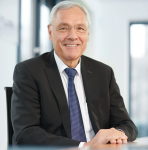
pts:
[73, 57]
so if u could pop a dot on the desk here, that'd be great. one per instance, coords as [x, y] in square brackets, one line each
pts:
[139, 144]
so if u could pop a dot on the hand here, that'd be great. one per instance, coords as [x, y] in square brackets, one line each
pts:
[119, 141]
[105, 136]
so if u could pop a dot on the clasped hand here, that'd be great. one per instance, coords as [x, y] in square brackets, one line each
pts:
[105, 136]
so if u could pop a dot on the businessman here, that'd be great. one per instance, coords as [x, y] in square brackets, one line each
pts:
[63, 98]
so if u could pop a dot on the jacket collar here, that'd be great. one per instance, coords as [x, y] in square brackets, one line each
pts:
[56, 85]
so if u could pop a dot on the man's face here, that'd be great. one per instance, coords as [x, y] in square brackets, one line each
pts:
[69, 34]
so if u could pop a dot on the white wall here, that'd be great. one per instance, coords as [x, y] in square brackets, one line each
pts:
[109, 42]
[8, 57]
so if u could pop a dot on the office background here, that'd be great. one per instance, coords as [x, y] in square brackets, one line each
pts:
[118, 37]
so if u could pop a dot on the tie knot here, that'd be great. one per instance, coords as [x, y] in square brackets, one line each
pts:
[70, 72]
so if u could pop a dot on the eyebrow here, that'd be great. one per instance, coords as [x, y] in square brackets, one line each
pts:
[63, 23]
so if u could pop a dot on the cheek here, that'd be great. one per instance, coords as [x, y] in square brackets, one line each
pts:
[84, 41]
[60, 38]
[85, 38]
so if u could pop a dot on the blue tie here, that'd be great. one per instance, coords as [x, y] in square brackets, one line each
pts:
[77, 128]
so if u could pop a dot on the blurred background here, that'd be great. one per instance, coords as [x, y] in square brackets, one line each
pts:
[118, 38]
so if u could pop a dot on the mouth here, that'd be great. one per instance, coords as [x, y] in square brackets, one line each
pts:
[71, 45]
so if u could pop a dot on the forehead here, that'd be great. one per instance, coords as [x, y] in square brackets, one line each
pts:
[72, 15]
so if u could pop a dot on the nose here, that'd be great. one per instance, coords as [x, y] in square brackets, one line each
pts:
[72, 34]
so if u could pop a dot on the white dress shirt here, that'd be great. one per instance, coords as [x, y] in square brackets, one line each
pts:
[80, 93]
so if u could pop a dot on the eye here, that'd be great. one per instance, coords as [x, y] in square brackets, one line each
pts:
[80, 28]
[63, 28]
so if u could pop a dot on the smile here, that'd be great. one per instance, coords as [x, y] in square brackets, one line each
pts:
[71, 45]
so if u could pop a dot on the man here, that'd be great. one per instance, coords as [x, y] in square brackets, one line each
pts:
[63, 98]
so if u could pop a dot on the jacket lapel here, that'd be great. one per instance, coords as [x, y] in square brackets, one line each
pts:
[90, 91]
[56, 85]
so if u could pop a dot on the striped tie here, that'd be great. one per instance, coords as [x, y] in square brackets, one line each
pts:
[77, 128]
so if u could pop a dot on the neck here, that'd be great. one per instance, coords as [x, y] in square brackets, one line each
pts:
[71, 63]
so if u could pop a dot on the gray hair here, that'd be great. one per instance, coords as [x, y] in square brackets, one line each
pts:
[67, 5]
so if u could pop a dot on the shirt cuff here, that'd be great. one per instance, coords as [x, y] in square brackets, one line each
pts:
[81, 144]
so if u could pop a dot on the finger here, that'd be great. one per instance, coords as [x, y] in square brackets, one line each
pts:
[120, 132]
[119, 141]
[111, 138]
[112, 141]
[123, 137]
[124, 141]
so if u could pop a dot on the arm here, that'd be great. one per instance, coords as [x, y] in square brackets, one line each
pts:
[119, 119]
[118, 113]
[26, 113]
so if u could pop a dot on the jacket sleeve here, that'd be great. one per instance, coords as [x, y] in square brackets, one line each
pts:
[119, 117]
[26, 113]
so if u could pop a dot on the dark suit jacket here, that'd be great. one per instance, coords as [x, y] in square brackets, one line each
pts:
[40, 114]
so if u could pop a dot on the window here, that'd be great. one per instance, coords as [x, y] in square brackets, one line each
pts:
[139, 76]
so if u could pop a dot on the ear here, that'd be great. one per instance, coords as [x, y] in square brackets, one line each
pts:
[50, 32]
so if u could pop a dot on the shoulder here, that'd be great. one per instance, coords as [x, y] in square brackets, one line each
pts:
[36, 62]
[94, 64]
[34, 65]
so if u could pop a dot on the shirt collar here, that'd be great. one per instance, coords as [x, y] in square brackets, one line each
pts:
[61, 66]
